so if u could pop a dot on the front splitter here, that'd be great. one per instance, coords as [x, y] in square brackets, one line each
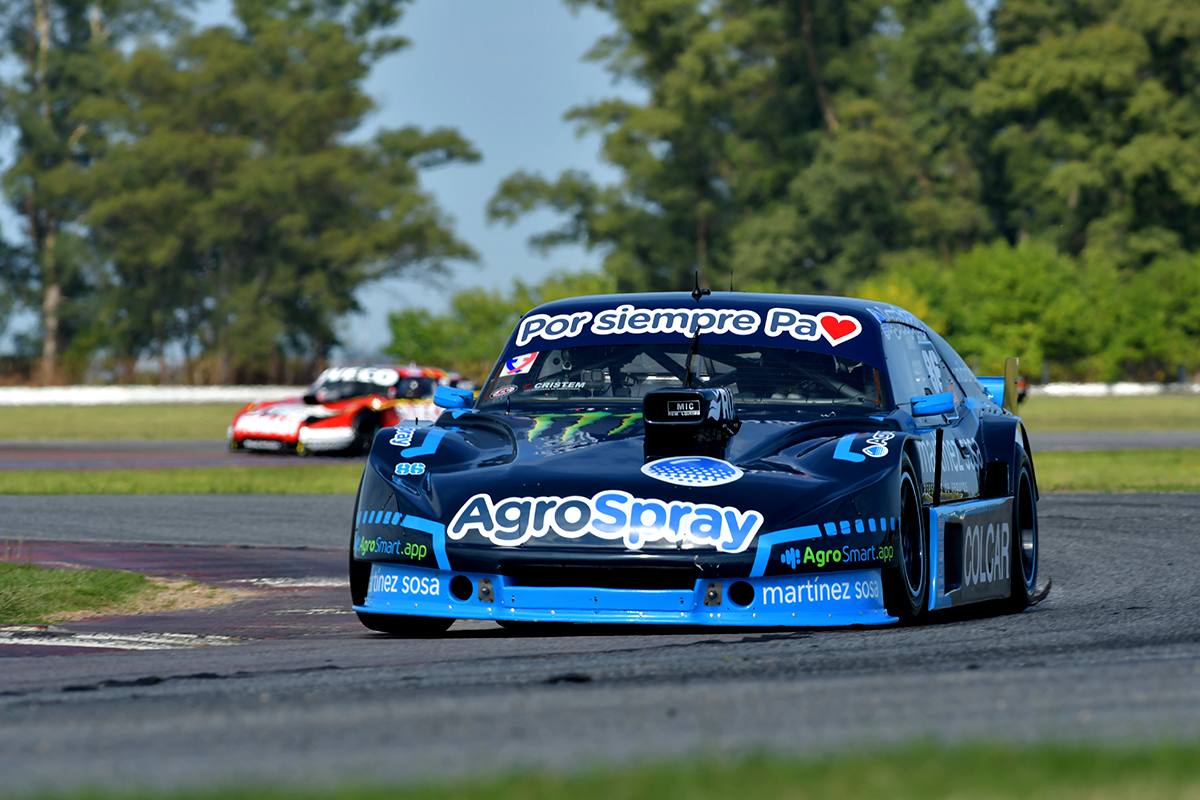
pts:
[834, 599]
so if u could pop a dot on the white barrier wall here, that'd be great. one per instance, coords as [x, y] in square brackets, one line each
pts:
[136, 395]
[1113, 389]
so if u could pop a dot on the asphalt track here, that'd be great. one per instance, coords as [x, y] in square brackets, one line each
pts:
[207, 453]
[300, 694]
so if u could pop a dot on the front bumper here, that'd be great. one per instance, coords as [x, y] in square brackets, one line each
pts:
[314, 440]
[808, 600]
[321, 439]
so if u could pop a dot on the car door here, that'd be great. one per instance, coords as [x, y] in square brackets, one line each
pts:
[916, 369]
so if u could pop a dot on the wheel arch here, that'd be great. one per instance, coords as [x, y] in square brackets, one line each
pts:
[914, 458]
[1005, 440]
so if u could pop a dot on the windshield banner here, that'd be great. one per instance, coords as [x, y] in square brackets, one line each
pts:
[628, 320]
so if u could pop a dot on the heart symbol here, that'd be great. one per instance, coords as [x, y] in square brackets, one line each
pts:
[837, 328]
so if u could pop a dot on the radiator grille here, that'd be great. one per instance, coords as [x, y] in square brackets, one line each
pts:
[595, 577]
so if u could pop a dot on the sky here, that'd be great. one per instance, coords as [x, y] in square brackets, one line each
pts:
[502, 72]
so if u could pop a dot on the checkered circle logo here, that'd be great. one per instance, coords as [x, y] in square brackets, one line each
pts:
[692, 471]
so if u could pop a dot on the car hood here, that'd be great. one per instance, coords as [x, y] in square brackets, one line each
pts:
[527, 481]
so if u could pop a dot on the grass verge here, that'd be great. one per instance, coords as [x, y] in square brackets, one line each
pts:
[36, 595]
[112, 423]
[31, 595]
[1096, 471]
[917, 772]
[298, 479]
[1168, 412]
[1119, 471]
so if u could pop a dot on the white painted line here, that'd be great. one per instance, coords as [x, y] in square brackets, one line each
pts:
[47, 637]
[297, 583]
[312, 612]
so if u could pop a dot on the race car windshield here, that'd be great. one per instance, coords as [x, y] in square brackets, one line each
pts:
[403, 389]
[627, 372]
[333, 391]
[415, 388]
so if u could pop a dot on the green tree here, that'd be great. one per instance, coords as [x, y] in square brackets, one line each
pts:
[1078, 320]
[1018, 23]
[1157, 331]
[1097, 126]
[62, 50]
[897, 173]
[1028, 187]
[239, 218]
[793, 143]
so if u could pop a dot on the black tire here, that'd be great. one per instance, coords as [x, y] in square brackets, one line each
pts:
[360, 571]
[404, 625]
[365, 426]
[1023, 547]
[906, 586]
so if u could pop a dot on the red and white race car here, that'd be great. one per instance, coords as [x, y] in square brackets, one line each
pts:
[341, 411]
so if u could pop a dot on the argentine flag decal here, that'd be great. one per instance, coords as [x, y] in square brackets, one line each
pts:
[519, 365]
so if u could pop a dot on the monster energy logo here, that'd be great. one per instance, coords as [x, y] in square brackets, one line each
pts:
[543, 423]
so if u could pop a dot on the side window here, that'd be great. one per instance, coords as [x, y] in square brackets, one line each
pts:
[915, 367]
[966, 378]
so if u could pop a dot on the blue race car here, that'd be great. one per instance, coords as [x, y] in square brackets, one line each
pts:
[695, 459]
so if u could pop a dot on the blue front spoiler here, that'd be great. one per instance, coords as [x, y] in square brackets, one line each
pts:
[834, 599]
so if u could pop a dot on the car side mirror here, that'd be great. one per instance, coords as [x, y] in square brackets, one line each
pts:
[994, 387]
[449, 397]
[932, 404]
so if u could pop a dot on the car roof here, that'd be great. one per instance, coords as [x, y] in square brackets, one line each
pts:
[412, 371]
[406, 371]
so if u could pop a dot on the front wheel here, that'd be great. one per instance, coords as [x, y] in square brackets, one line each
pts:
[405, 625]
[365, 426]
[906, 585]
[1023, 547]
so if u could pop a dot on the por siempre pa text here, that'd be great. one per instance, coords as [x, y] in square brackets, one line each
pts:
[627, 319]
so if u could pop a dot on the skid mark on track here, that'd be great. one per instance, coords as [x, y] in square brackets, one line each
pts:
[41, 695]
